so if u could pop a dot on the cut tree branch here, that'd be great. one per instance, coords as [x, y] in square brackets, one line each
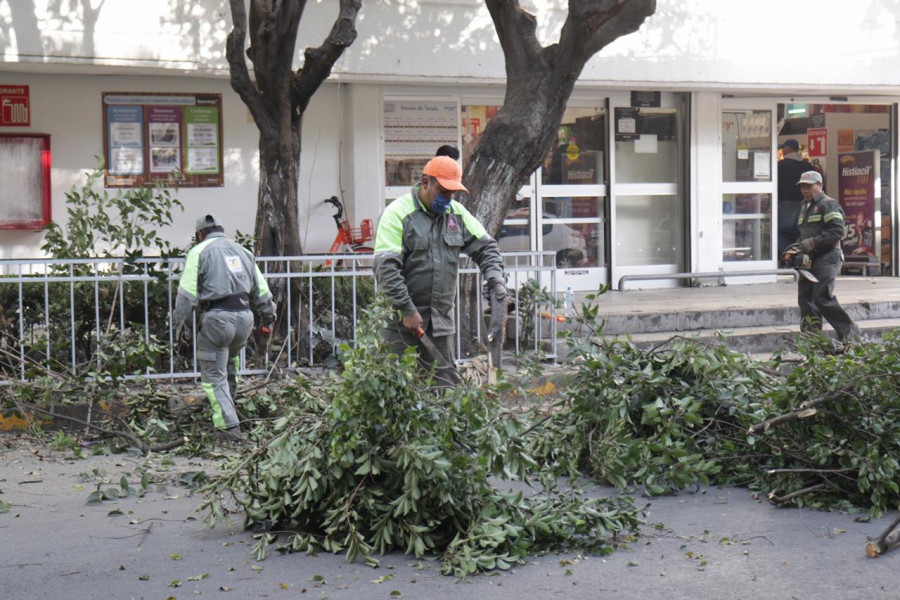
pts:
[889, 539]
[793, 495]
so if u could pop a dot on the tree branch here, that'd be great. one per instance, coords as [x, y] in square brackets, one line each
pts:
[144, 447]
[240, 76]
[890, 538]
[318, 62]
[516, 30]
[591, 25]
[788, 497]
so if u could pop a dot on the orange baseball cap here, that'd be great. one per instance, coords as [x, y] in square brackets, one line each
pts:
[447, 171]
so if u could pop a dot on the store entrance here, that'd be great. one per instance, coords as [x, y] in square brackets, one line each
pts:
[852, 146]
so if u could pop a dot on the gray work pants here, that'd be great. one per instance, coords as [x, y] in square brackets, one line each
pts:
[222, 335]
[817, 301]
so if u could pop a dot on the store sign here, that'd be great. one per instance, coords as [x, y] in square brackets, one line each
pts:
[15, 110]
[817, 139]
[646, 99]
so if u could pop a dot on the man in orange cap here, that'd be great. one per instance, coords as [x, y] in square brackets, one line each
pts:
[417, 246]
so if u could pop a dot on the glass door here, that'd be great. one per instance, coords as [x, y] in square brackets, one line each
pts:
[748, 184]
[647, 201]
[571, 188]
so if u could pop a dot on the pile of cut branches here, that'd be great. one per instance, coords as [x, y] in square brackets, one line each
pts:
[826, 434]
[378, 461]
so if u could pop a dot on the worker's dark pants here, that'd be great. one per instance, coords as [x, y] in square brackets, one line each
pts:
[399, 339]
[222, 335]
[817, 301]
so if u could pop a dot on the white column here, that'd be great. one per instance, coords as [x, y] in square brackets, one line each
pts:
[706, 173]
[362, 155]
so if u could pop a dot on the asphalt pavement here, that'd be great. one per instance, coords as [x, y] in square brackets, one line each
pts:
[719, 543]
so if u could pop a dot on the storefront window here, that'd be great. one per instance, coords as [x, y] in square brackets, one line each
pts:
[746, 227]
[577, 155]
[747, 145]
[646, 145]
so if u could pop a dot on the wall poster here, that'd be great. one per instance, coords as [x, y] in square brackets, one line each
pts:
[858, 173]
[148, 137]
[413, 131]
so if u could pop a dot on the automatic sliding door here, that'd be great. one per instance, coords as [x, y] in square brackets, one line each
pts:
[648, 213]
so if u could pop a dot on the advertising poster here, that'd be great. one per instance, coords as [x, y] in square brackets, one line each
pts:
[857, 177]
[126, 141]
[817, 140]
[153, 137]
[163, 124]
[202, 133]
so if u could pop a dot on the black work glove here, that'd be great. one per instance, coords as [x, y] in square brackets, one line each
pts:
[807, 245]
[496, 289]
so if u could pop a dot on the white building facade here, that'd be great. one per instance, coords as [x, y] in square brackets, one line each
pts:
[666, 162]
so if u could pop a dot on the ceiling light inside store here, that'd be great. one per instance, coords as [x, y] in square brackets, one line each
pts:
[796, 110]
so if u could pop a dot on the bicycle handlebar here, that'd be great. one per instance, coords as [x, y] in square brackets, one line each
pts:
[337, 204]
[338, 216]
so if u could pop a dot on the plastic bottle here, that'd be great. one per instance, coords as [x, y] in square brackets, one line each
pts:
[569, 302]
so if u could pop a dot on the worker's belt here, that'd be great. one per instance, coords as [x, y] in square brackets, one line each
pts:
[232, 303]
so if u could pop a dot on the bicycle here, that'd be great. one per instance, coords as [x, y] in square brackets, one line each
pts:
[350, 240]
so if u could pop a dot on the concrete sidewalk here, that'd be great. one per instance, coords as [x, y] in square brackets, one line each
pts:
[848, 290]
[719, 543]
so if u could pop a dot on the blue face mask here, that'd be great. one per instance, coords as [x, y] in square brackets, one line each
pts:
[441, 204]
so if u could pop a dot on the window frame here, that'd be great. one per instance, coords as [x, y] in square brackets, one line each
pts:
[45, 195]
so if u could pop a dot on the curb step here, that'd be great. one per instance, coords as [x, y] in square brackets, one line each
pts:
[756, 340]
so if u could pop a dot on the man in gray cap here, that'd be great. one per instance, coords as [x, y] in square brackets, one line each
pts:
[222, 279]
[821, 223]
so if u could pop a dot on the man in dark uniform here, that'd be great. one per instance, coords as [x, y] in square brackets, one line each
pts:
[790, 168]
[417, 246]
[821, 224]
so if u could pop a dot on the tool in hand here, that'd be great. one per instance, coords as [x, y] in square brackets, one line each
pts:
[795, 259]
[443, 363]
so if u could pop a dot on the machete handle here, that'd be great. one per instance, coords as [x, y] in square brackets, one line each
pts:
[420, 332]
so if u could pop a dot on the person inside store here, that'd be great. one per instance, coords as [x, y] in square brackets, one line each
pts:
[221, 279]
[448, 150]
[790, 168]
[419, 239]
[821, 224]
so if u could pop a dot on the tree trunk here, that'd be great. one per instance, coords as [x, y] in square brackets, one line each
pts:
[539, 82]
[277, 228]
[277, 97]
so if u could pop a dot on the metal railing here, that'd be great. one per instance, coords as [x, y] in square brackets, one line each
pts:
[61, 315]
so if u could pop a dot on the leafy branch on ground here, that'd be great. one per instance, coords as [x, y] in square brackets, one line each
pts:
[378, 461]
[824, 433]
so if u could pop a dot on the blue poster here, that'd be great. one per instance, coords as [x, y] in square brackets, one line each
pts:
[126, 140]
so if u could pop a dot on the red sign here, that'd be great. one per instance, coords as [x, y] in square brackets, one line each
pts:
[818, 141]
[14, 106]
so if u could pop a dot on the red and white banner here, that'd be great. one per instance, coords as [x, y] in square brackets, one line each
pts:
[817, 140]
[15, 108]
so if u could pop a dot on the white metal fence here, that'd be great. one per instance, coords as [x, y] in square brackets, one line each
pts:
[60, 315]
